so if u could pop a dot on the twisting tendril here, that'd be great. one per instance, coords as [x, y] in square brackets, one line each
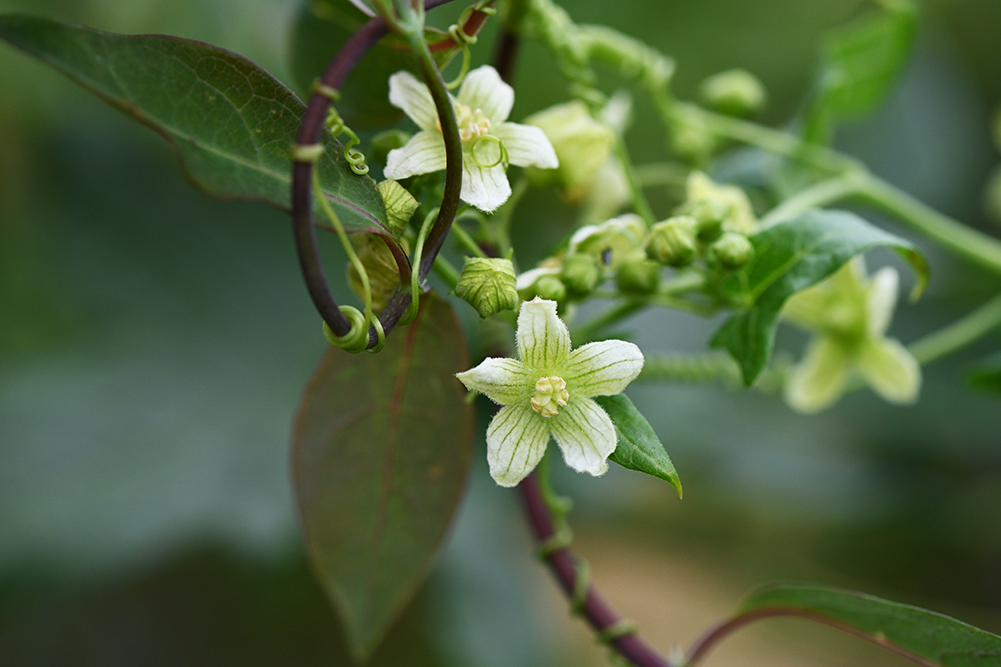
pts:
[502, 155]
[335, 123]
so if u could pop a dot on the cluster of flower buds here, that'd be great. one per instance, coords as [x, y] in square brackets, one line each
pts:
[710, 228]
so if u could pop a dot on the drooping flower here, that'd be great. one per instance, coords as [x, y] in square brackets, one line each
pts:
[850, 314]
[489, 142]
[548, 392]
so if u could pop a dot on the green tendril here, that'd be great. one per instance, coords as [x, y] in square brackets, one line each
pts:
[335, 123]
[502, 159]
[466, 57]
[621, 628]
[309, 153]
[581, 584]
[352, 341]
[415, 268]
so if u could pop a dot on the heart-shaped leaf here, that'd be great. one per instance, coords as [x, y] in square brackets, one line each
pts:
[923, 636]
[231, 122]
[638, 447]
[381, 451]
[789, 257]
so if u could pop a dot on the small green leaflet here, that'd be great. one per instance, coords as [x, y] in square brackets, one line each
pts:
[789, 257]
[859, 65]
[381, 451]
[923, 636]
[638, 446]
[231, 123]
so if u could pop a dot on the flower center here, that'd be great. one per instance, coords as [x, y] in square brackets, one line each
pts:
[549, 393]
[473, 124]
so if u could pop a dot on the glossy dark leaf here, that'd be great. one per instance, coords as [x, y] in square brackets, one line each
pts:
[231, 123]
[859, 66]
[924, 636]
[381, 451]
[638, 447]
[790, 257]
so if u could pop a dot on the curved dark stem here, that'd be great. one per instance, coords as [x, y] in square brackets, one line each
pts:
[302, 196]
[709, 640]
[563, 563]
[506, 53]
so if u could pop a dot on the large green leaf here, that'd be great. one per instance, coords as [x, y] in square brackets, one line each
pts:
[924, 636]
[638, 447]
[859, 65]
[322, 28]
[790, 257]
[231, 123]
[381, 451]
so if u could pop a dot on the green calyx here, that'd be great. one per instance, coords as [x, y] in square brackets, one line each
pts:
[731, 251]
[488, 285]
[581, 274]
[673, 242]
[709, 215]
[638, 275]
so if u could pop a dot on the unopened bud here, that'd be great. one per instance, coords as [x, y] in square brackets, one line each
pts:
[731, 251]
[612, 241]
[488, 285]
[672, 241]
[542, 282]
[739, 216]
[380, 267]
[638, 275]
[693, 140]
[581, 274]
[582, 144]
[550, 288]
[735, 92]
[709, 215]
[400, 205]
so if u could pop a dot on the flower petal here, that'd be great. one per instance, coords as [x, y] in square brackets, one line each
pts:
[880, 300]
[502, 380]
[603, 368]
[486, 188]
[542, 337]
[585, 435]
[527, 146]
[424, 153]
[890, 369]
[409, 94]
[483, 89]
[516, 440]
[818, 380]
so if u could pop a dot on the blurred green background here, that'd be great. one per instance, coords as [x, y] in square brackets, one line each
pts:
[154, 343]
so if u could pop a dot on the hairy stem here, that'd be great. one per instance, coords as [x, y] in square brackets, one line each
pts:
[564, 565]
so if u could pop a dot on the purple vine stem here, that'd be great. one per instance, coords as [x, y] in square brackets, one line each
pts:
[598, 612]
[302, 195]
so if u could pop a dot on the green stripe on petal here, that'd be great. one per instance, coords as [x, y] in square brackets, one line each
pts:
[526, 146]
[818, 381]
[502, 380]
[603, 368]
[585, 434]
[542, 337]
[516, 440]
[483, 89]
[409, 94]
[424, 153]
[890, 369]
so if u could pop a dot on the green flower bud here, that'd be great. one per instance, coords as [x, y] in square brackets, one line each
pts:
[610, 242]
[380, 266]
[672, 241]
[400, 205]
[735, 92]
[739, 213]
[488, 285]
[550, 287]
[581, 274]
[638, 275]
[709, 215]
[731, 251]
[693, 140]
[387, 141]
[582, 144]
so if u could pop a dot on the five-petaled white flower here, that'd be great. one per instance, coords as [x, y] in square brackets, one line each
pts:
[489, 143]
[850, 314]
[548, 393]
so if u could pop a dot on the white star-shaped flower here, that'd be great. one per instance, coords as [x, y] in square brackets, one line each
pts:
[489, 142]
[548, 393]
[850, 313]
